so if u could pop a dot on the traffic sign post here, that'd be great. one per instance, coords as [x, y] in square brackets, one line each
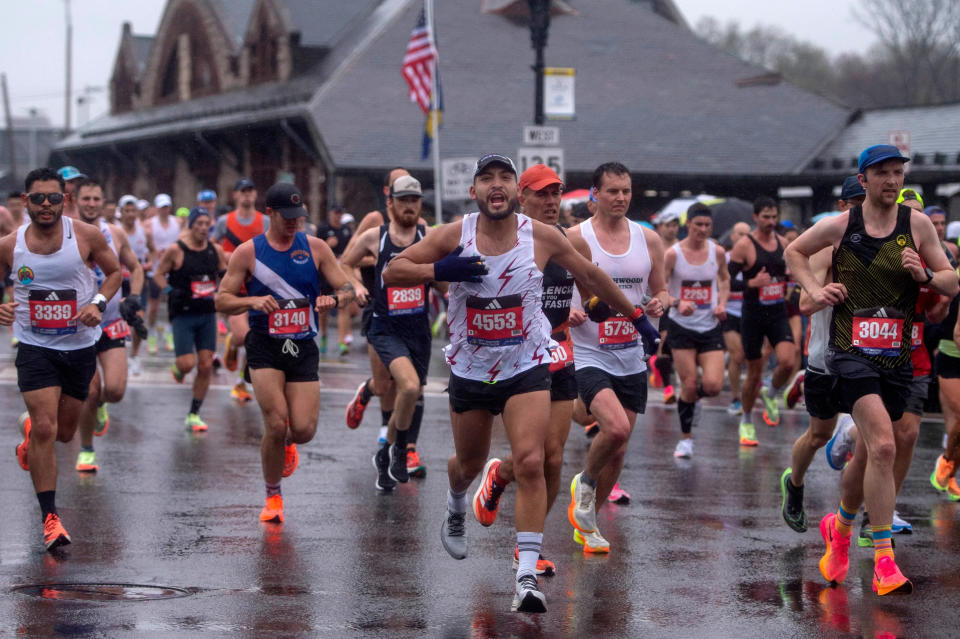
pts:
[541, 135]
[527, 156]
[457, 177]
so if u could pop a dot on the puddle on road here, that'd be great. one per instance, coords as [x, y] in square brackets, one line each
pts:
[101, 592]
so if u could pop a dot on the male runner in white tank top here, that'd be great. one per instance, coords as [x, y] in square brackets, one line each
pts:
[499, 350]
[56, 315]
[164, 230]
[141, 242]
[699, 285]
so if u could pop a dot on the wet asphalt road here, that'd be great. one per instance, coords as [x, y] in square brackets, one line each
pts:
[700, 552]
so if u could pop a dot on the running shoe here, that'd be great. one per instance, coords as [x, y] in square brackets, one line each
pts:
[168, 341]
[669, 395]
[748, 434]
[545, 567]
[791, 503]
[87, 462]
[438, 324]
[839, 449]
[323, 345]
[222, 327]
[942, 473]
[794, 392]
[240, 393]
[152, 344]
[291, 459]
[382, 436]
[195, 424]
[357, 406]
[582, 512]
[487, 498]
[591, 430]
[230, 350]
[684, 449]
[618, 495]
[343, 349]
[887, 578]
[453, 534]
[527, 597]
[656, 381]
[24, 425]
[177, 375]
[953, 490]
[836, 560]
[14, 342]
[133, 364]
[593, 543]
[273, 510]
[398, 463]
[865, 538]
[900, 525]
[103, 420]
[54, 534]
[381, 462]
[414, 467]
[771, 414]
[217, 363]
[735, 408]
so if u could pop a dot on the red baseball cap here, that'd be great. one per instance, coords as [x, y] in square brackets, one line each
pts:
[538, 176]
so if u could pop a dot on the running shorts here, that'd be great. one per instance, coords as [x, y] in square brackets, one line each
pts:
[919, 389]
[731, 324]
[757, 324]
[857, 378]
[631, 390]
[297, 359]
[105, 343]
[194, 331]
[948, 367]
[820, 394]
[470, 394]
[680, 338]
[563, 385]
[71, 371]
[391, 343]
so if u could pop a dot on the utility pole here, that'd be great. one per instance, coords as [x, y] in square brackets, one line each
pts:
[66, 116]
[11, 148]
[539, 26]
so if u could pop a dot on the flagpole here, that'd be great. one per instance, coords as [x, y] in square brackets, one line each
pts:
[434, 124]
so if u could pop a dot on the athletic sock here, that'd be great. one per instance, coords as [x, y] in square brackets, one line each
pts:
[528, 545]
[365, 394]
[87, 449]
[844, 521]
[456, 502]
[665, 368]
[402, 438]
[882, 542]
[700, 392]
[588, 480]
[272, 489]
[685, 412]
[385, 416]
[48, 503]
[195, 405]
[413, 433]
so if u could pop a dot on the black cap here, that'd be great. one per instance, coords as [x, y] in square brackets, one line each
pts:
[285, 198]
[851, 188]
[244, 183]
[494, 158]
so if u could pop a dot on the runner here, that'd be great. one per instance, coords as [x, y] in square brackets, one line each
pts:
[188, 271]
[399, 330]
[878, 248]
[207, 199]
[759, 256]
[231, 230]
[943, 477]
[938, 217]
[283, 271]
[698, 286]
[499, 349]
[141, 243]
[661, 375]
[163, 230]
[117, 320]
[56, 316]
[337, 236]
[71, 176]
[731, 325]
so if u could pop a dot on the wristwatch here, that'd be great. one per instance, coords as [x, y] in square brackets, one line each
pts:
[100, 301]
[929, 272]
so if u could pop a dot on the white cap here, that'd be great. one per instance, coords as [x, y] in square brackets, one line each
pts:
[127, 199]
[666, 216]
[346, 218]
[142, 205]
[953, 230]
[162, 200]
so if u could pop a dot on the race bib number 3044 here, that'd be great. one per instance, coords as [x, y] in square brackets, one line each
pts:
[495, 321]
[878, 335]
[52, 312]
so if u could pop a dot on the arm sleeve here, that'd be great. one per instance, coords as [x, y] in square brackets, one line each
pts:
[220, 228]
[736, 284]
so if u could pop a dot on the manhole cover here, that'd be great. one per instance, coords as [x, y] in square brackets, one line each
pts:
[101, 592]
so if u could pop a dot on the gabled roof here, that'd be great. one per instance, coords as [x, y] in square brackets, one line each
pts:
[234, 15]
[322, 24]
[141, 46]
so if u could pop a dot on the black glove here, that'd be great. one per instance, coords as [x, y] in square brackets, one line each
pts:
[129, 307]
[138, 327]
[454, 268]
[649, 335]
[597, 310]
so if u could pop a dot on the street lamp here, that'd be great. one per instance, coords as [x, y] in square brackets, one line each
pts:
[539, 26]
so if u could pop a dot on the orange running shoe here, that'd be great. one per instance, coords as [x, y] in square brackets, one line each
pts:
[593, 543]
[230, 353]
[54, 534]
[656, 381]
[24, 424]
[887, 578]
[591, 430]
[942, 473]
[273, 510]
[836, 561]
[486, 500]
[291, 459]
[669, 395]
[357, 407]
[415, 468]
[544, 567]
[953, 489]
[240, 393]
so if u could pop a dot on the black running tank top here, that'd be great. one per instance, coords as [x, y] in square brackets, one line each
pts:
[407, 304]
[194, 283]
[557, 291]
[771, 295]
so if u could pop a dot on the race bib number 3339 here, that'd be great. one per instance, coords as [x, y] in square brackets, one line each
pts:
[52, 312]
[495, 321]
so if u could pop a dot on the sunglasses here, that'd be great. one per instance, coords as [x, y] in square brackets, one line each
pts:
[38, 198]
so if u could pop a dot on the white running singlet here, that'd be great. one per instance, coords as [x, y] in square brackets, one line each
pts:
[497, 327]
[697, 284]
[138, 241]
[163, 237]
[614, 345]
[817, 341]
[49, 290]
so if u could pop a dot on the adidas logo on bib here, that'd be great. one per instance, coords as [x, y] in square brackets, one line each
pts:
[53, 297]
[291, 304]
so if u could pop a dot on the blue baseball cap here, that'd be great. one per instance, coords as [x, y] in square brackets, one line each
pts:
[787, 224]
[207, 195]
[852, 188]
[879, 153]
[70, 173]
[935, 210]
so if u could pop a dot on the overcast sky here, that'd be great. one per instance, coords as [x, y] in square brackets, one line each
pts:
[32, 48]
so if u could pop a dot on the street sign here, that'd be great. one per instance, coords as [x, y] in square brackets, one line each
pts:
[457, 177]
[901, 140]
[558, 93]
[527, 156]
[541, 135]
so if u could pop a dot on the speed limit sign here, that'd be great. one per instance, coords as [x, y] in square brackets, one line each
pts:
[527, 156]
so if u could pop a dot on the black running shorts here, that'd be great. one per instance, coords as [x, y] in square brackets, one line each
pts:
[391, 342]
[297, 359]
[858, 378]
[820, 394]
[631, 390]
[919, 389]
[563, 385]
[680, 338]
[731, 324]
[948, 367]
[105, 343]
[470, 394]
[758, 323]
[39, 367]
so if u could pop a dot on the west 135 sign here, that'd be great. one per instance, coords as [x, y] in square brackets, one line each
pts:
[527, 156]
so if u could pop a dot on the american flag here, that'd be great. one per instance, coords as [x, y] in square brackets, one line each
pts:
[417, 63]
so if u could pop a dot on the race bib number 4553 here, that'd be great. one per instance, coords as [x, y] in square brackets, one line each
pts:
[52, 312]
[495, 321]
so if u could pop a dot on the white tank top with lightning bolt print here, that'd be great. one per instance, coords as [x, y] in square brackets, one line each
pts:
[497, 326]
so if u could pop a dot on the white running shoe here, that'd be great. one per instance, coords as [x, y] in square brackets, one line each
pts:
[528, 597]
[684, 449]
[840, 447]
[582, 511]
[133, 364]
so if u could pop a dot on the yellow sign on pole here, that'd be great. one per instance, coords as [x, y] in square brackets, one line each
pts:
[558, 93]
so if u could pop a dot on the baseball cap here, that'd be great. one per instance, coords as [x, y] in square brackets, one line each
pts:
[879, 153]
[244, 183]
[538, 176]
[127, 199]
[403, 185]
[788, 225]
[70, 173]
[666, 216]
[142, 205]
[162, 200]
[851, 188]
[953, 230]
[347, 218]
[206, 195]
[286, 199]
[195, 214]
[183, 212]
[909, 194]
[933, 209]
[494, 158]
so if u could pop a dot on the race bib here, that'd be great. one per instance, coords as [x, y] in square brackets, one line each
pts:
[875, 335]
[916, 335]
[771, 293]
[117, 329]
[51, 312]
[617, 333]
[562, 355]
[735, 296]
[405, 300]
[700, 293]
[202, 289]
[292, 318]
[495, 321]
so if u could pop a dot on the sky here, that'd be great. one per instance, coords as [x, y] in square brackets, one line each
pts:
[33, 59]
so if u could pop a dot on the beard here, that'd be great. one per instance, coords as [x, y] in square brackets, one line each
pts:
[44, 225]
[507, 212]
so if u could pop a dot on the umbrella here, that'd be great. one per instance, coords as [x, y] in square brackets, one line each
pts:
[729, 211]
[577, 196]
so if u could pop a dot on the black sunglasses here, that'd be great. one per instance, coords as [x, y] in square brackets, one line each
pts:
[38, 198]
